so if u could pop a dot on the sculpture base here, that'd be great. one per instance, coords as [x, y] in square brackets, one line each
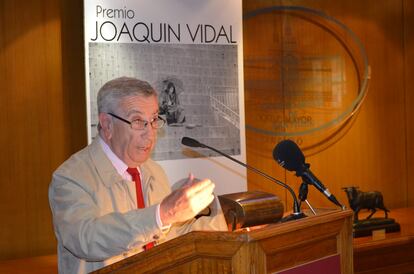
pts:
[365, 227]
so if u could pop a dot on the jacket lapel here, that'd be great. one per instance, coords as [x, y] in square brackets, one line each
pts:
[104, 167]
[147, 185]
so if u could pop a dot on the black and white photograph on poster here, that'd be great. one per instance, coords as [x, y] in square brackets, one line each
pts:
[197, 88]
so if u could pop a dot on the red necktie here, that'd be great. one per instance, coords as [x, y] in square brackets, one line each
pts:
[133, 171]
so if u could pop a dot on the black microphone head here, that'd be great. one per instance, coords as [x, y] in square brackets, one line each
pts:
[288, 155]
[190, 142]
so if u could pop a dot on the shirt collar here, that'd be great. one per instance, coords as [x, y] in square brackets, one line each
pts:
[119, 165]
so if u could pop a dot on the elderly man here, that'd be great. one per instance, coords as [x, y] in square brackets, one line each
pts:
[110, 200]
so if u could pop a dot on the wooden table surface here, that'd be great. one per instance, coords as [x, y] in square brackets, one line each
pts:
[394, 253]
[35, 265]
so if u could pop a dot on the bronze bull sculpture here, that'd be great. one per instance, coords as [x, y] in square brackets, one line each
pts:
[365, 200]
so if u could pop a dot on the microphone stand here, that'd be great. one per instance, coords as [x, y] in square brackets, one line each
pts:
[303, 196]
[308, 177]
[297, 213]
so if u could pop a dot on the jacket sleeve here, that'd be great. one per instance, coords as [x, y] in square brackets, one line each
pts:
[87, 233]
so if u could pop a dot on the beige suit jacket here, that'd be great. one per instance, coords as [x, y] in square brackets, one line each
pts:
[95, 218]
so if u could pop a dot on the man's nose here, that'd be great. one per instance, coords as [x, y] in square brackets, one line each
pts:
[149, 131]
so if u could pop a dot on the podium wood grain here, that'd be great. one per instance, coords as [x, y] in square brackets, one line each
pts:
[263, 250]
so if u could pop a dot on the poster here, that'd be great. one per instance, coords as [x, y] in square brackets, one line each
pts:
[190, 51]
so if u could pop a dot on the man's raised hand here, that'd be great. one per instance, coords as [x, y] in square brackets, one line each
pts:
[187, 201]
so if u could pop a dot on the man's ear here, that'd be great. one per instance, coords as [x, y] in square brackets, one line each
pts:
[105, 121]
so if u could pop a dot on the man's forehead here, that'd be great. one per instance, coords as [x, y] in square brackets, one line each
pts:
[140, 112]
[139, 104]
[138, 100]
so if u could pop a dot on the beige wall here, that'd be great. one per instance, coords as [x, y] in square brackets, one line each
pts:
[43, 114]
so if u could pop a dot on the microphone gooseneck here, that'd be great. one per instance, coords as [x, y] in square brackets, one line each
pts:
[288, 155]
[297, 214]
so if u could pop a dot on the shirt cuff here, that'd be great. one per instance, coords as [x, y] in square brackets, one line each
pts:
[164, 228]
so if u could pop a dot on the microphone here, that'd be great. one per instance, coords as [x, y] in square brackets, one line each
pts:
[190, 142]
[288, 155]
[297, 214]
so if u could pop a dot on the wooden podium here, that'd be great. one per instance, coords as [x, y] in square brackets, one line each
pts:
[270, 249]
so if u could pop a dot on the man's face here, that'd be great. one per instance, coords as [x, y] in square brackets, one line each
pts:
[134, 147]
